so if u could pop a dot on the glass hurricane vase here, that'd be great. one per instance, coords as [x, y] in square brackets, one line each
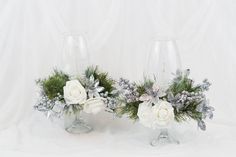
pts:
[75, 55]
[163, 61]
[73, 121]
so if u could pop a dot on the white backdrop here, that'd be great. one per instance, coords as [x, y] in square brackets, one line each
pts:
[119, 33]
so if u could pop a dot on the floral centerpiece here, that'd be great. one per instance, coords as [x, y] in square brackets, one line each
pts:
[64, 96]
[158, 108]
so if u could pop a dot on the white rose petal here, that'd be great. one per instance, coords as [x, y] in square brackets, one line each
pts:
[164, 113]
[145, 114]
[159, 115]
[94, 105]
[74, 92]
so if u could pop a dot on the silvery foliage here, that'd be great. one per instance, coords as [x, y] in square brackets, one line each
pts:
[92, 87]
[111, 102]
[127, 91]
[207, 112]
[185, 98]
[205, 85]
[152, 93]
[51, 108]
[94, 90]
[180, 74]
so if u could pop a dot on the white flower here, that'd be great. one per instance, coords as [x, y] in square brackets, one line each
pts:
[164, 113]
[161, 114]
[94, 105]
[145, 114]
[74, 92]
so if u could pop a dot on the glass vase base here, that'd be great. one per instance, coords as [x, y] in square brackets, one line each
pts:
[164, 138]
[79, 127]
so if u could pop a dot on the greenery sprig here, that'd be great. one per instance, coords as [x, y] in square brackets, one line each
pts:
[103, 78]
[187, 99]
[130, 102]
[53, 85]
[183, 84]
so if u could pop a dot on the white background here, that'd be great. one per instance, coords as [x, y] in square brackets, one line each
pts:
[118, 33]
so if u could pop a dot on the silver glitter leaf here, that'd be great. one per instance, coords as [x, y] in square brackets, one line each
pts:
[91, 78]
[100, 89]
[96, 83]
[201, 125]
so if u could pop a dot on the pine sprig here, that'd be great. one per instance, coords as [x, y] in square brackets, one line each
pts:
[190, 112]
[104, 80]
[147, 84]
[131, 108]
[184, 84]
[180, 84]
[53, 85]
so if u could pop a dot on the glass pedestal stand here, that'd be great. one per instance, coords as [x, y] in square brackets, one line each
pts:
[163, 138]
[73, 123]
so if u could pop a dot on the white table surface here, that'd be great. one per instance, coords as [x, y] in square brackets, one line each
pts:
[37, 136]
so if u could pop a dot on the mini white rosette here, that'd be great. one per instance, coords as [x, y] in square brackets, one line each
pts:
[146, 115]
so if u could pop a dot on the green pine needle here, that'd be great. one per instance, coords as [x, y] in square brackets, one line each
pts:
[104, 80]
[53, 85]
[130, 109]
[183, 83]
[147, 84]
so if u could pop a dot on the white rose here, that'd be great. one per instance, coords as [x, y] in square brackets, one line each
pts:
[94, 105]
[74, 92]
[145, 114]
[164, 113]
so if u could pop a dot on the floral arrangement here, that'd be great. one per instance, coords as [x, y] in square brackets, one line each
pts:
[155, 107]
[61, 93]
[147, 102]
